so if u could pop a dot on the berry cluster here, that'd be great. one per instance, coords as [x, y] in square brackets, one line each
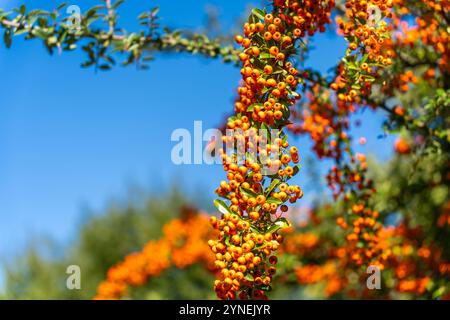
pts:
[257, 188]
[368, 52]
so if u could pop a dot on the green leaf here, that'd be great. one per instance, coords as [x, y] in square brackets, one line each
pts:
[143, 16]
[105, 67]
[227, 241]
[280, 223]
[266, 288]
[296, 169]
[274, 184]
[249, 193]
[221, 206]
[4, 14]
[251, 107]
[278, 70]
[22, 9]
[283, 222]
[61, 6]
[256, 37]
[259, 13]
[265, 127]
[249, 277]
[271, 200]
[92, 11]
[155, 11]
[21, 31]
[439, 292]
[255, 229]
[118, 3]
[7, 38]
[265, 55]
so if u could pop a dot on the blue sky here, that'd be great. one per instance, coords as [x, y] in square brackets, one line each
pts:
[71, 138]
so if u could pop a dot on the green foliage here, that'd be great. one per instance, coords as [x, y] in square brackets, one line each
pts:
[406, 189]
[416, 189]
[193, 283]
[107, 41]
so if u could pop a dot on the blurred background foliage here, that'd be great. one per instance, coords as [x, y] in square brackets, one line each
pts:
[412, 190]
[102, 240]
[407, 187]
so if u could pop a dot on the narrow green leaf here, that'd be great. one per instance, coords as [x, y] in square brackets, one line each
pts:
[271, 200]
[221, 206]
[155, 11]
[7, 38]
[296, 169]
[249, 277]
[259, 13]
[280, 223]
[249, 193]
[275, 183]
[118, 3]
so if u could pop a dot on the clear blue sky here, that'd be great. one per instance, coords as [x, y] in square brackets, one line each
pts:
[71, 138]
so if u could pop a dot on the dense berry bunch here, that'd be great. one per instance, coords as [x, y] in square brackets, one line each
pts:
[368, 35]
[257, 187]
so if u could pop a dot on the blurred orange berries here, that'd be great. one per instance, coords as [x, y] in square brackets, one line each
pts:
[183, 244]
[402, 146]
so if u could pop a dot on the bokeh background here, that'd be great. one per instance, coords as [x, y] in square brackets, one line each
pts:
[85, 167]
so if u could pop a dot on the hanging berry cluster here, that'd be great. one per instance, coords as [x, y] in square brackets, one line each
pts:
[327, 121]
[368, 52]
[328, 124]
[257, 191]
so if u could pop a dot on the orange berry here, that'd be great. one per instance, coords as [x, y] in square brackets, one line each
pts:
[254, 215]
